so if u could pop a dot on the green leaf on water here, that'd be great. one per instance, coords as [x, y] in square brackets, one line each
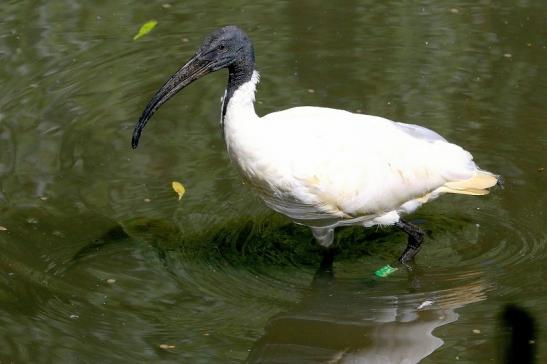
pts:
[145, 29]
[385, 271]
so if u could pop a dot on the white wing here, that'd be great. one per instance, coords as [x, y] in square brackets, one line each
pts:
[420, 132]
[313, 163]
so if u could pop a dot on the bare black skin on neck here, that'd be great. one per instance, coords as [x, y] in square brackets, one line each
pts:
[239, 73]
[227, 47]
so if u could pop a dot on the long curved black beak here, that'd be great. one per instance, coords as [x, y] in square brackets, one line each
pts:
[191, 71]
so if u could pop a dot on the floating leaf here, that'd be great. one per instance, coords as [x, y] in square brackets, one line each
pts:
[3, 228]
[178, 188]
[167, 346]
[385, 271]
[145, 29]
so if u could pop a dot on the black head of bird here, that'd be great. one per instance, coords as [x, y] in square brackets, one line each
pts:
[227, 47]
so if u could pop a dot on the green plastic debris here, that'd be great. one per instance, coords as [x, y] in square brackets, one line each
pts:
[145, 29]
[385, 271]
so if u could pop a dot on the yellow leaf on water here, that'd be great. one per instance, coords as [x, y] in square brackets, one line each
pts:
[145, 29]
[167, 346]
[178, 188]
[3, 228]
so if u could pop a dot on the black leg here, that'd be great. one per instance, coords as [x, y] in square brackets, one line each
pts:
[415, 239]
[327, 259]
[325, 273]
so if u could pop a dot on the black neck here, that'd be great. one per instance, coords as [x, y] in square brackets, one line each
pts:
[239, 72]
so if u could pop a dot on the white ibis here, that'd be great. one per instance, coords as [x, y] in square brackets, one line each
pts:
[324, 167]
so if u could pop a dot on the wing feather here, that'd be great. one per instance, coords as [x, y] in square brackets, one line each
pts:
[321, 163]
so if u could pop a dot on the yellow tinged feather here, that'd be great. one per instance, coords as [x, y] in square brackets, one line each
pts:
[480, 181]
[474, 186]
[424, 198]
[468, 191]
[178, 188]
[313, 180]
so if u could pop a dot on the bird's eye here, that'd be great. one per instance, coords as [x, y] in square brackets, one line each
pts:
[221, 47]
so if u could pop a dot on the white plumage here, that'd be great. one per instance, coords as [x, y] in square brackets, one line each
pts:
[324, 167]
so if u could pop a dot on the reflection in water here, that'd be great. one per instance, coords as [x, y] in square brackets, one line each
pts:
[339, 322]
[518, 344]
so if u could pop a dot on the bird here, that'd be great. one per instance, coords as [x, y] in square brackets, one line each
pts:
[323, 167]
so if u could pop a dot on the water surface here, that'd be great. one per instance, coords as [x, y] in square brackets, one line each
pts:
[101, 263]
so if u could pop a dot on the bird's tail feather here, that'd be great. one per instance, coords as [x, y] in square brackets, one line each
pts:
[476, 185]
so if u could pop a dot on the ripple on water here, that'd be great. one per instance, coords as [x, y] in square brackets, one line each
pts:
[228, 281]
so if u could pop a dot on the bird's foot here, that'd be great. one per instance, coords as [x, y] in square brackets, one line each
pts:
[414, 244]
[327, 259]
[325, 272]
[407, 258]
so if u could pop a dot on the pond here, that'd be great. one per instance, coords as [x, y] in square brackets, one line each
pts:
[100, 261]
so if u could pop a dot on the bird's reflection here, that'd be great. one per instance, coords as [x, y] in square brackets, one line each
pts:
[338, 321]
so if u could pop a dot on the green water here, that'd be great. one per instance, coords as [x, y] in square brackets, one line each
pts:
[101, 264]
